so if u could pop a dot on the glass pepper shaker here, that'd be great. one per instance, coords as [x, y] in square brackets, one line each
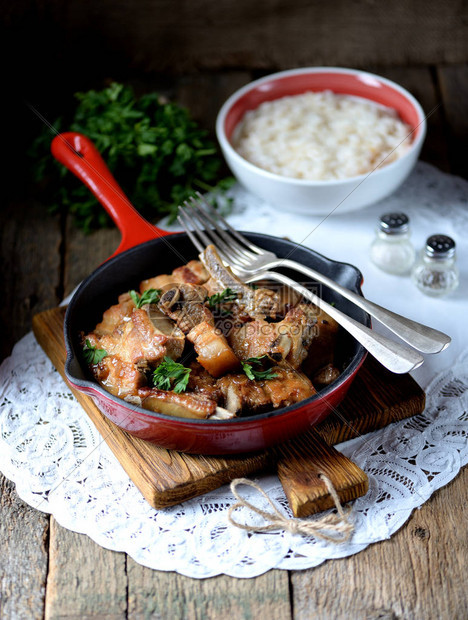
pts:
[436, 273]
[392, 250]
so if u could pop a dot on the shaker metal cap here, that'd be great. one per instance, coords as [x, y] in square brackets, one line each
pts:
[394, 223]
[440, 246]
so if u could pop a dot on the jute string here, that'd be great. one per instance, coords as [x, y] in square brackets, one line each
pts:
[333, 527]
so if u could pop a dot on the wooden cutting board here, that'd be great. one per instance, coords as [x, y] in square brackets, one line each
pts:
[376, 398]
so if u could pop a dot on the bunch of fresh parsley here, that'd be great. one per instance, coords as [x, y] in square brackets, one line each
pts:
[159, 155]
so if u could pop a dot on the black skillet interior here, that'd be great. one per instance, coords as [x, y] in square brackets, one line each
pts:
[125, 271]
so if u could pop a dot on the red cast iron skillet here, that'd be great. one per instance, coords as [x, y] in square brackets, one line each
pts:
[146, 251]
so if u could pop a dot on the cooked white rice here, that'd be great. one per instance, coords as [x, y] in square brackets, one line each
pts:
[321, 136]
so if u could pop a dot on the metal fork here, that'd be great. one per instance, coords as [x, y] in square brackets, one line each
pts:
[392, 355]
[250, 258]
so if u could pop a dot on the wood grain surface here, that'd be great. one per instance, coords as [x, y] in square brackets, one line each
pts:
[179, 36]
[420, 573]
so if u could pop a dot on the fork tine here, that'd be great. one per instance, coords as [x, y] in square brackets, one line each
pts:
[224, 249]
[210, 214]
[223, 239]
[232, 230]
[186, 221]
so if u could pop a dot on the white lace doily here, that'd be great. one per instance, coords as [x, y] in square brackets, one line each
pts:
[61, 465]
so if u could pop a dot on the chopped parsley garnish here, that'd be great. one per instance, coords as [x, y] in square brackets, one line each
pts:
[217, 299]
[150, 296]
[170, 375]
[257, 375]
[93, 355]
[220, 298]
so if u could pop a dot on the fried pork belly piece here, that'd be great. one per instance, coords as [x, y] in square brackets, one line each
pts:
[191, 273]
[185, 304]
[114, 315]
[181, 405]
[289, 387]
[213, 350]
[240, 393]
[143, 339]
[259, 338]
[288, 340]
[256, 304]
[118, 377]
[300, 324]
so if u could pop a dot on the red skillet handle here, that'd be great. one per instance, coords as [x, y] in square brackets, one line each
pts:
[80, 156]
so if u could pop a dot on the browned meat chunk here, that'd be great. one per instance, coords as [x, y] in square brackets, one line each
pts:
[180, 405]
[118, 377]
[191, 273]
[139, 340]
[115, 315]
[240, 393]
[300, 325]
[184, 303]
[201, 382]
[288, 340]
[259, 338]
[213, 350]
[288, 387]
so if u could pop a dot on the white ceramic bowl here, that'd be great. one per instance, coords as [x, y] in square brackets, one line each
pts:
[321, 197]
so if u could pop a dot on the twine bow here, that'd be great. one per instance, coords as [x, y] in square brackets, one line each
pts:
[332, 527]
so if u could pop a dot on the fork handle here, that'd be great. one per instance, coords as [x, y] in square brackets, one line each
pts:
[421, 337]
[394, 356]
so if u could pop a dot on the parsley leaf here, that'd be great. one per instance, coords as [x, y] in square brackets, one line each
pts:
[170, 375]
[258, 375]
[150, 296]
[93, 355]
[225, 296]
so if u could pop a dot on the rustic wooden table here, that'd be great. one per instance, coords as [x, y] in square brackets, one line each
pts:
[46, 570]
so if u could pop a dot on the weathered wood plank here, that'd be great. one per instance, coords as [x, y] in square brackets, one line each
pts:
[169, 35]
[30, 273]
[23, 559]
[29, 279]
[85, 580]
[169, 595]
[204, 93]
[299, 468]
[420, 83]
[419, 573]
[454, 89]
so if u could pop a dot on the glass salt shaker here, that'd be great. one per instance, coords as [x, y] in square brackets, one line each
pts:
[436, 273]
[392, 250]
